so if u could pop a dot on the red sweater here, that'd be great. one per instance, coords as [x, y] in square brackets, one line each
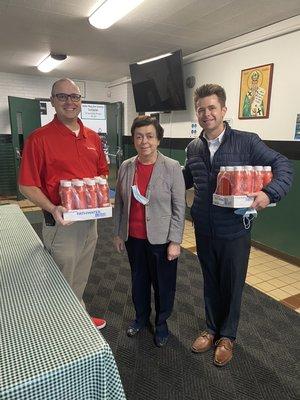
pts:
[137, 223]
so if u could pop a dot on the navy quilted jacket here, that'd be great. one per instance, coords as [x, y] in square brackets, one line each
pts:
[237, 148]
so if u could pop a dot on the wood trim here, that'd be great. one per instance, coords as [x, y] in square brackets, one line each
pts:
[276, 253]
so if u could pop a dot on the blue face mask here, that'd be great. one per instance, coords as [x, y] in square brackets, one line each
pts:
[248, 215]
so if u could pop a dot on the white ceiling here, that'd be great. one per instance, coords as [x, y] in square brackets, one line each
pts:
[30, 29]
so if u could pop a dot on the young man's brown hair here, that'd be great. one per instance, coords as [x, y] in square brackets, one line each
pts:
[210, 89]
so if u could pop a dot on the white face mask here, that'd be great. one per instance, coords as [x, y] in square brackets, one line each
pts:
[137, 195]
[248, 215]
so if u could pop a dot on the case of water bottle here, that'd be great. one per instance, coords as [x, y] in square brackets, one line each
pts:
[85, 199]
[236, 183]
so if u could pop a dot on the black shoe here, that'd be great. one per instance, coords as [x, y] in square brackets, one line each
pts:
[160, 341]
[131, 331]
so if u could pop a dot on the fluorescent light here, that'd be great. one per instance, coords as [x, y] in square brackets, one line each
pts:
[51, 62]
[154, 58]
[111, 11]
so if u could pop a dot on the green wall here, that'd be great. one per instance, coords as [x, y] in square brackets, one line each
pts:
[278, 227]
[8, 180]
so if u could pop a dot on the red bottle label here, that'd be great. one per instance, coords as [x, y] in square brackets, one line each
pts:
[80, 197]
[91, 196]
[267, 177]
[258, 181]
[66, 195]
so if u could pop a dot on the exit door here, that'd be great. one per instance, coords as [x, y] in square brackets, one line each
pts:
[24, 117]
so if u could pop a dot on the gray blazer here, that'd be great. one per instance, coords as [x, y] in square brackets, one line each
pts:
[165, 212]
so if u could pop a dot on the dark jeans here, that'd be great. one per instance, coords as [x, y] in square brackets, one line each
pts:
[224, 266]
[150, 266]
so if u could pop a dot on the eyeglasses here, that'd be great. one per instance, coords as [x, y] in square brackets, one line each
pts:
[64, 96]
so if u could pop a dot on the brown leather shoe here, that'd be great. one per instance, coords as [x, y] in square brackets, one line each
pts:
[223, 352]
[203, 343]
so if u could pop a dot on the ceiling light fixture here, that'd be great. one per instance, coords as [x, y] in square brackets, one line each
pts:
[154, 58]
[111, 11]
[51, 62]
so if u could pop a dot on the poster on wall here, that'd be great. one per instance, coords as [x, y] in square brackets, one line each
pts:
[297, 128]
[93, 115]
[93, 111]
[255, 92]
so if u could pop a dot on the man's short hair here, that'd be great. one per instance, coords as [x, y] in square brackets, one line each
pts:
[62, 80]
[210, 89]
[145, 120]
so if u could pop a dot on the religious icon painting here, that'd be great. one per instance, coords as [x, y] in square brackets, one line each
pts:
[255, 92]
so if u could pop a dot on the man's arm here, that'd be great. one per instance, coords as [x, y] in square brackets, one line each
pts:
[36, 196]
[177, 206]
[187, 175]
[188, 178]
[281, 168]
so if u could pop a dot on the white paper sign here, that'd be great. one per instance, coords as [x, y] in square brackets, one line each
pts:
[93, 111]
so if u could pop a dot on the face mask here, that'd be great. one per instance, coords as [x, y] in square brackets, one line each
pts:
[137, 195]
[248, 215]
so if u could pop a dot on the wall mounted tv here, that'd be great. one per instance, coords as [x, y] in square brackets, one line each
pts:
[158, 85]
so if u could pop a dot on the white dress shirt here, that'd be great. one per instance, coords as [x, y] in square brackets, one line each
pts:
[214, 144]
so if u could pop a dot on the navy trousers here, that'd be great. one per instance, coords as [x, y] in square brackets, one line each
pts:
[224, 266]
[150, 266]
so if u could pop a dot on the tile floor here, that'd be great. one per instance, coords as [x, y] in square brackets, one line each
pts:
[277, 278]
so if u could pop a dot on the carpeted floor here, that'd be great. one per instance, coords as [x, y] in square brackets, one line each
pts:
[264, 363]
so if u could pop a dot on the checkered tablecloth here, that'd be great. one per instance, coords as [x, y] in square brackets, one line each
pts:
[49, 348]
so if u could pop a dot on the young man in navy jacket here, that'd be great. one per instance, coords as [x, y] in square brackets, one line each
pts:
[223, 243]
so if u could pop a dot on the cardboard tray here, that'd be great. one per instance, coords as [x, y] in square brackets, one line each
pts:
[235, 201]
[88, 213]
[232, 201]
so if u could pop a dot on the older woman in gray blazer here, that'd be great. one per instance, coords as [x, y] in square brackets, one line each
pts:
[149, 220]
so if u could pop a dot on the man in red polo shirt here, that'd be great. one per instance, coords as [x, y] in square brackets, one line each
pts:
[63, 149]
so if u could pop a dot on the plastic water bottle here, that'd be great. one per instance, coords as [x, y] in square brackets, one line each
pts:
[66, 194]
[79, 194]
[91, 194]
[248, 182]
[258, 181]
[228, 181]
[219, 181]
[103, 192]
[267, 175]
[237, 188]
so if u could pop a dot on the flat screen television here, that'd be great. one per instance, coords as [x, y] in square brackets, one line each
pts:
[158, 85]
